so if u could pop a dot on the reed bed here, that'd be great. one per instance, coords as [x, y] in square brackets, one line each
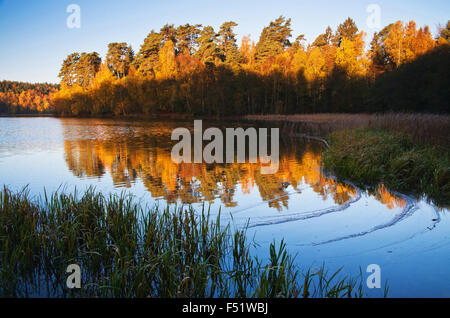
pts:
[370, 156]
[125, 249]
[423, 128]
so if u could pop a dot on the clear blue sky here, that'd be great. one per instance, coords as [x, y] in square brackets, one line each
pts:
[35, 39]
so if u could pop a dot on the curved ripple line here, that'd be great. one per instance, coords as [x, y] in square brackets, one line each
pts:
[407, 211]
[427, 229]
[311, 138]
[308, 214]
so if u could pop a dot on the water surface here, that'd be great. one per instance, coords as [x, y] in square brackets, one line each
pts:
[321, 219]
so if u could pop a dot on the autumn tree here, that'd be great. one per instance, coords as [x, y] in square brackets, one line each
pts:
[247, 50]
[327, 49]
[167, 64]
[228, 48]
[350, 56]
[381, 60]
[169, 33]
[68, 72]
[273, 39]
[405, 43]
[423, 42]
[299, 42]
[324, 38]
[444, 34]
[88, 66]
[79, 69]
[102, 90]
[208, 49]
[186, 36]
[147, 57]
[348, 29]
[119, 58]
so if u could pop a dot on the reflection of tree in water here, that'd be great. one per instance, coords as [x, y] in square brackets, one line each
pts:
[390, 200]
[83, 160]
[131, 159]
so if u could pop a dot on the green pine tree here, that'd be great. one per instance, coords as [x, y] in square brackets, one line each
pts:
[273, 39]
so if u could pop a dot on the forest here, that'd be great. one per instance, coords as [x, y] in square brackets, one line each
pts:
[193, 69]
[26, 98]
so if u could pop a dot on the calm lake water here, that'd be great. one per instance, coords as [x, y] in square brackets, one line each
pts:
[321, 220]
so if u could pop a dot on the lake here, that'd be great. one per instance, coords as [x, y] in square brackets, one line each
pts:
[321, 219]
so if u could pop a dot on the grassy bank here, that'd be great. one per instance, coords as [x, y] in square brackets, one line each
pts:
[127, 250]
[369, 156]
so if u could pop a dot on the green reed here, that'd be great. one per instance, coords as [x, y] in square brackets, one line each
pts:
[371, 156]
[125, 249]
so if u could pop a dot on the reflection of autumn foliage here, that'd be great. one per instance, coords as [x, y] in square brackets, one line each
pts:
[391, 201]
[128, 161]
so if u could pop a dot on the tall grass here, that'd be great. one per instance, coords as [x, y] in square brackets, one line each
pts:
[370, 156]
[127, 250]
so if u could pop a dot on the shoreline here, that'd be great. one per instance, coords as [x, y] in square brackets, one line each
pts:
[26, 115]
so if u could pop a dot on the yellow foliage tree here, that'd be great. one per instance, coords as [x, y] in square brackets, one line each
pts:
[315, 65]
[406, 43]
[350, 56]
[167, 63]
[248, 51]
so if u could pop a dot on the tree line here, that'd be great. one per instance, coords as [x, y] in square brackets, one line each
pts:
[26, 98]
[197, 70]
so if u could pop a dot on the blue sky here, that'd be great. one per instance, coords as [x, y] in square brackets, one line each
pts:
[35, 39]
